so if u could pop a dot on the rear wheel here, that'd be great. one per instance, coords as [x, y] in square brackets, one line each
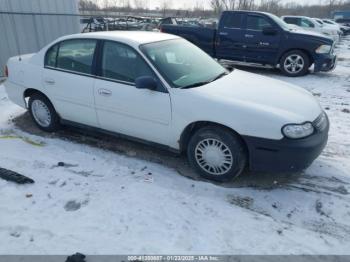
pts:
[217, 154]
[43, 113]
[295, 63]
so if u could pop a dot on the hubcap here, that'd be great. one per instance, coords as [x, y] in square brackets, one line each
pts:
[41, 113]
[213, 156]
[294, 64]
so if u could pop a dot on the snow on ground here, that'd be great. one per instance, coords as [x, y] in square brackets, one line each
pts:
[112, 201]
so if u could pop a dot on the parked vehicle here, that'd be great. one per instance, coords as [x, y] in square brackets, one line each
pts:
[164, 90]
[334, 28]
[344, 29]
[128, 23]
[311, 24]
[344, 22]
[262, 38]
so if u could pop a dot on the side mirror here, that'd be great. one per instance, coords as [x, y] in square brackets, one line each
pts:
[270, 31]
[146, 82]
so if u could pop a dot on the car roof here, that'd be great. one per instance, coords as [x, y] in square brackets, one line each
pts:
[295, 16]
[133, 38]
[245, 11]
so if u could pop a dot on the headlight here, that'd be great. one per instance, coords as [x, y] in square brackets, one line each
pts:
[323, 49]
[298, 131]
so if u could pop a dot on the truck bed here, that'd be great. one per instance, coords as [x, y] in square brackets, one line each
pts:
[200, 36]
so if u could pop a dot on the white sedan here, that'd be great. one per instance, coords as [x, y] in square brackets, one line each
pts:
[161, 89]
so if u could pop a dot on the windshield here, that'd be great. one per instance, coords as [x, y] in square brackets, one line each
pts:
[183, 64]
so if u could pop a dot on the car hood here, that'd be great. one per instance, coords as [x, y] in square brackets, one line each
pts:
[261, 93]
[310, 33]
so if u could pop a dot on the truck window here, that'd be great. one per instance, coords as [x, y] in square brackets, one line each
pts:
[233, 21]
[257, 22]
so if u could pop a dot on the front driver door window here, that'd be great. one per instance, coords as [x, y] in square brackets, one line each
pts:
[123, 108]
[307, 23]
[260, 47]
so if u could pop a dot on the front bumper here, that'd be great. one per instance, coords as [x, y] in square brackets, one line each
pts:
[325, 62]
[285, 155]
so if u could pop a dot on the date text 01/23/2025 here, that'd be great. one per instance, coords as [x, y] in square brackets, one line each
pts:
[172, 258]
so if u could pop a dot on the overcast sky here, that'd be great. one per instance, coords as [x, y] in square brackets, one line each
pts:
[184, 4]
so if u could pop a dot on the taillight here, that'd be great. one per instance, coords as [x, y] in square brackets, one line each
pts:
[6, 71]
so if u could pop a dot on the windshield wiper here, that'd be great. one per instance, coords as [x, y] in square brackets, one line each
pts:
[204, 82]
[219, 76]
[195, 85]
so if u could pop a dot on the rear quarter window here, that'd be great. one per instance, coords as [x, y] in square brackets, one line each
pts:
[50, 57]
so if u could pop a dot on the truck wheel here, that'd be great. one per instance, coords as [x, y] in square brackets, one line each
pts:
[217, 154]
[43, 113]
[295, 63]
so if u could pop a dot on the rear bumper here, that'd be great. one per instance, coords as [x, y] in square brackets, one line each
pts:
[325, 62]
[285, 155]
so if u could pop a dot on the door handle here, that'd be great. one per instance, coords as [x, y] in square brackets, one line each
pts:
[223, 33]
[264, 43]
[50, 81]
[249, 36]
[104, 92]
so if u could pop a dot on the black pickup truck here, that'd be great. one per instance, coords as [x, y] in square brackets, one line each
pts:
[261, 38]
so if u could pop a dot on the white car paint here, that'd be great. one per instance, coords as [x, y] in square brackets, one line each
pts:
[334, 28]
[250, 104]
[316, 27]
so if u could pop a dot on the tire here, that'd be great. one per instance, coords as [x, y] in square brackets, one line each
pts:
[208, 149]
[295, 63]
[43, 113]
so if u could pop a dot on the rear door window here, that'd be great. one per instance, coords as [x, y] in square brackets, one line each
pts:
[76, 55]
[292, 20]
[232, 21]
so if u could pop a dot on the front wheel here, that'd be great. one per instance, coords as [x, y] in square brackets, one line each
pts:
[295, 63]
[217, 154]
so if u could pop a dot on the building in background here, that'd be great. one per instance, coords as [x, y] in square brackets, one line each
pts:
[28, 25]
[341, 15]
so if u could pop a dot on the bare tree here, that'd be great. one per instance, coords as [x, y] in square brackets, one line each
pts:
[165, 6]
[217, 6]
[139, 4]
[272, 6]
[87, 5]
[220, 5]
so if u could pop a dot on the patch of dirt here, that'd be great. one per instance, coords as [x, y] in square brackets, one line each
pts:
[73, 205]
[333, 229]
[244, 202]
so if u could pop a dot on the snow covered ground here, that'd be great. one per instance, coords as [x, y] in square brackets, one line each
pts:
[119, 197]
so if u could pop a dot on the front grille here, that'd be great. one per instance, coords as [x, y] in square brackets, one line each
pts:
[321, 122]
